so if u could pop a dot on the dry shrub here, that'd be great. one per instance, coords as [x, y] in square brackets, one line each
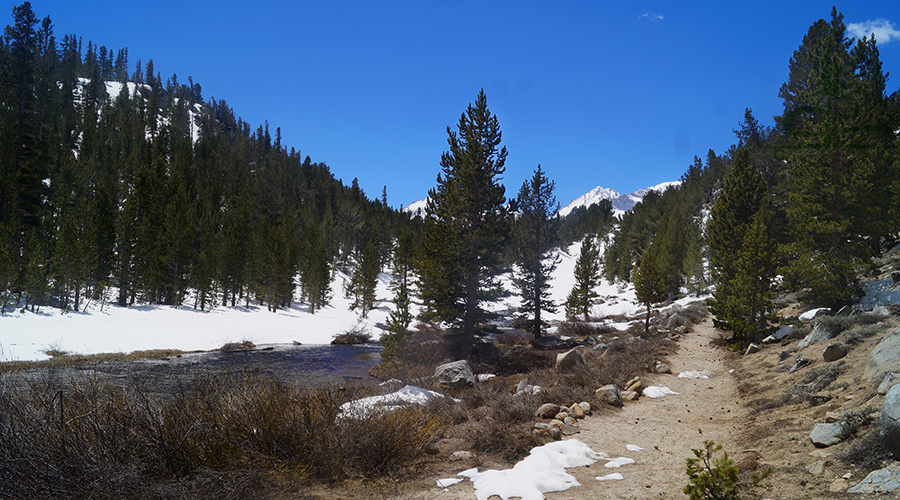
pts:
[219, 436]
[866, 451]
[823, 376]
[584, 329]
[515, 337]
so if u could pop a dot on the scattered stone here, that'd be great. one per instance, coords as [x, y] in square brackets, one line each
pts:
[835, 351]
[543, 426]
[455, 375]
[548, 410]
[880, 481]
[571, 421]
[832, 417]
[458, 456]
[629, 395]
[561, 416]
[586, 407]
[839, 485]
[890, 380]
[824, 435]
[634, 385]
[752, 349]
[609, 394]
[662, 367]
[783, 331]
[576, 411]
[801, 362]
[818, 334]
[555, 434]
[817, 467]
[568, 430]
[890, 421]
[884, 357]
[569, 361]
[824, 453]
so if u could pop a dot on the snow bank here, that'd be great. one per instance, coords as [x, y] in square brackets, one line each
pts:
[655, 391]
[542, 471]
[695, 374]
[409, 394]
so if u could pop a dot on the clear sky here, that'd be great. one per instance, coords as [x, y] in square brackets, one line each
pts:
[618, 94]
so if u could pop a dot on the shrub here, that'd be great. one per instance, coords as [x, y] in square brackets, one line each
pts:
[715, 478]
[358, 334]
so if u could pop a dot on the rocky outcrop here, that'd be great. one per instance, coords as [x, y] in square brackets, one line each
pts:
[880, 481]
[884, 357]
[890, 421]
[569, 361]
[455, 375]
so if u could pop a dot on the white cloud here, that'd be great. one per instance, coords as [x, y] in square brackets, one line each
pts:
[651, 16]
[882, 29]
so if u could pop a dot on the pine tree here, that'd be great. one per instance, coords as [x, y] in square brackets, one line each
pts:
[361, 288]
[395, 339]
[534, 235]
[742, 248]
[466, 225]
[587, 278]
[651, 284]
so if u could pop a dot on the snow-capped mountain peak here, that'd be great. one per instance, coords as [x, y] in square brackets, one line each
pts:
[621, 202]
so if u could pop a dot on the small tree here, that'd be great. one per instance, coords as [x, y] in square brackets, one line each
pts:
[364, 280]
[650, 283]
[401, 317]
[587, 278]
[534, 236]
[716, 478]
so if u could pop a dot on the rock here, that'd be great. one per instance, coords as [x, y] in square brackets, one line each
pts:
[629, 395]
[882, 311]
[458, 456]
[880, 481]
[817, 467]
[543, 426]
[890, 380]
[561, 416]
[818, 334]
[568, 430]
[599, 347]
[569, 361]
[783, 331]
[752, 349]
[609, 394]
[586, 407]
[878, 294]
[800, 363]
[884, 357]
[555, 434]
[590, 340]
[838, 485]
[890, 421]
[455, 375]
[548, 410]
[662, 367]
[576, 411]
[571, 421]
[814, 313]
[634, 385]
[832, 417]
[835, 351]
[824, 435]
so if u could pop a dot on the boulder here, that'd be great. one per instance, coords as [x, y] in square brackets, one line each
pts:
[752, 349]
[662, 367]
[890, 380]
[455, 375]
[824, 435]
[878, 293]
[884, 357]
[835, 351]
[880, 481]
[550, 342]
[783, 331]
[609, 394]
[547, 410]
[890, 421]
[569, 361]
[576, 411]
[586, 407]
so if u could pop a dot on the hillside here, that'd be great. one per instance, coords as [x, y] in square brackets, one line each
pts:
[621, 203]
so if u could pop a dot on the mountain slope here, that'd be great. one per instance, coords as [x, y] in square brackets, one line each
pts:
[621, 202]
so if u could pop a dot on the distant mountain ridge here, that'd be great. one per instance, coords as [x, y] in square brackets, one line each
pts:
[621, 202]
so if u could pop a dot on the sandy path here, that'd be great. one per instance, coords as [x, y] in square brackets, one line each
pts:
[667, 428]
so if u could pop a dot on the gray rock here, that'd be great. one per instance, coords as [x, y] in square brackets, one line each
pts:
[835, 351]
[548, 410]
[571, 421]
[609, 394]
[885, 357]
[599, 347]
[882, 311]
[783, 331]
[569, 361]
[800, 363]
[818, 334]
[880, 481]
[890, 380]
[824, 435]
[568, 430]
[752, 349]
[662, 367]
[458, 456]
[543, 426]
[455, 375]
[877, 293]
[890, 421]
[586, 407]
[817, 467]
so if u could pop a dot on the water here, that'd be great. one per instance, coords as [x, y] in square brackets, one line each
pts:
[307, 365]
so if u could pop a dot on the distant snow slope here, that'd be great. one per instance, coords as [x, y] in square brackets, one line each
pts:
[621, 202]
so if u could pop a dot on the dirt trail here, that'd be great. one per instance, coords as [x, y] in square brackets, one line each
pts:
[666, 428]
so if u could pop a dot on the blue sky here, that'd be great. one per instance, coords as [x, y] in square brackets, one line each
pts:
[620, 94]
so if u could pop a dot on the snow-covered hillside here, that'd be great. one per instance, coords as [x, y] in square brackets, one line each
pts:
[25, 335]
[621, 202]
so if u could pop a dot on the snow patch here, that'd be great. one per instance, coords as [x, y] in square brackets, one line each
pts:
[655, 391]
